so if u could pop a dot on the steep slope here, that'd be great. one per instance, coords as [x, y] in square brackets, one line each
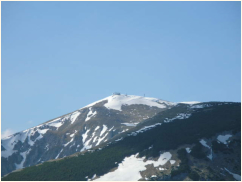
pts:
[187, 142]
[77, 131]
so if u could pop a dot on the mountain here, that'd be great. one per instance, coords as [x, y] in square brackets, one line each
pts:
[178, 141]
[78, 131]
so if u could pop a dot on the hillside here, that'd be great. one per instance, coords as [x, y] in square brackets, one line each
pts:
[185, 142]
[77, 131]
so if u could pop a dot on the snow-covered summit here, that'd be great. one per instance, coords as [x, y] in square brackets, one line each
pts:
[117, 101]
[190, 102]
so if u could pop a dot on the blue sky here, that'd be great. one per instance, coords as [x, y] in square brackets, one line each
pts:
[60, 56]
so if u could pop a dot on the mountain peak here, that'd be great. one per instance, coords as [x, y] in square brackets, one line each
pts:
[116, 101]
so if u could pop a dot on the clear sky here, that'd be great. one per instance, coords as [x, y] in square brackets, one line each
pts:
[60, 56]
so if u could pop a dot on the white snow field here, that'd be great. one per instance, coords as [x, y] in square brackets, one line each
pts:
[190, 102]
[116, 101]
[129, 169]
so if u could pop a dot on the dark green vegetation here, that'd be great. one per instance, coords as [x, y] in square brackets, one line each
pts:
[203, 123]
[198, 151]
[184, 166]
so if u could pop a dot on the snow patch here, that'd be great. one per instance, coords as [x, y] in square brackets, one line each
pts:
[42, 131]
[172, 161]
[58, 154]
[204, 143]
[119, 139]
[86, 145]
[236, 176]
[72, 135]
[97, 128]
[68, 142]
[188, 150]
[94, 139]
[56, 123]
[144, 129]
[130, 124]
[200, 106]
[103, 130]
[84, 136]
[224, 138]
[23, 154]
[179, 116]
[111, 128]
[100, 139]
[90, 114]
[74, 116]
[131, 167]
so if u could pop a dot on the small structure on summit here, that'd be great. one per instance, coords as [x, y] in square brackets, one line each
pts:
[116, 93]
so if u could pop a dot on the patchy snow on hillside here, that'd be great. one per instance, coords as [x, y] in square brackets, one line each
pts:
[9, 142]
[72, 135]
[58, 154]
[101, 139]
[90, 114]
[224, 138]
[144, 129]
[179, 116]
[236, 176]
[130, 124]
[68, 142]
[86, 145]
[129, 169]
[97, 128]
[43, 131]
[84, 136]
[200, 106]
[119, 139]
[188, 150]
[116, 101]
[74, 116]
[204, 143]
[103, 130]
[56, 123]
[23, 154]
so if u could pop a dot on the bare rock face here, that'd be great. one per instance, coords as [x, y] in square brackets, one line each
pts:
[78, 131]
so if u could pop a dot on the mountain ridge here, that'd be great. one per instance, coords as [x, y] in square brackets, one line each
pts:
[200, 127]
[121, 111]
